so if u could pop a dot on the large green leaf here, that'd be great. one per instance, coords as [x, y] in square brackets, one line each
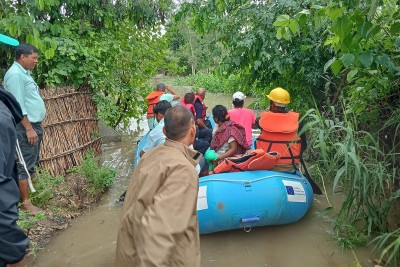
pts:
[366, 58]
[336, 67]
[329, 63]
[351, 74]
[385, 61]
[347, 60]
[294, 26]
[342, 26]
[364, 28]
[282, 21]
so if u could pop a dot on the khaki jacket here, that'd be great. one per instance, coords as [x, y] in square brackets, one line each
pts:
[159, 219]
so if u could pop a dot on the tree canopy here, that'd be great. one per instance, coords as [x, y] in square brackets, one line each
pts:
[112, 47]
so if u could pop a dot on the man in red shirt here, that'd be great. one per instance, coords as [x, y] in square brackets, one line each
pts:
[243, 116]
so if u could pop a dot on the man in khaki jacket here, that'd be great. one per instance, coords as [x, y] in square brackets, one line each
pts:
[159, 220]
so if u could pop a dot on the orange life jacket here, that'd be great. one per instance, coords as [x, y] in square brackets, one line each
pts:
[189, 106]
[204, 112]
[279, 134]
[256, 159]
[152, 99]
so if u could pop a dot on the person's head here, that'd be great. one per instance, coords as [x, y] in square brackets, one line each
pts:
[202, 93]
[160, 109]
[179, 125]
[279, 99]
[220, 114]
[160, 87]
[27, 56]
[188, 98]
[238, 99]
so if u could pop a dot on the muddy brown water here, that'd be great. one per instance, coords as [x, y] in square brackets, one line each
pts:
[91, 239]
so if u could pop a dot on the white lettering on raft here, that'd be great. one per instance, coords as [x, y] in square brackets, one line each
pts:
[202, 198]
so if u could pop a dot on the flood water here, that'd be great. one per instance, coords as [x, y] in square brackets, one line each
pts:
[91, 239]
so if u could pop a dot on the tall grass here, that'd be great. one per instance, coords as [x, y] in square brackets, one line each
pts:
[358, 165]
[389, 243]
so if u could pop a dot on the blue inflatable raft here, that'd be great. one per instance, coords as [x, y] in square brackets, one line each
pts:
[249, 199]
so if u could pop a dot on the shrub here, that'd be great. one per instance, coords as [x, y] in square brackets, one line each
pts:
[45, 187]
[99, 177]
[212, 82]
[26, 221]
[356, 164]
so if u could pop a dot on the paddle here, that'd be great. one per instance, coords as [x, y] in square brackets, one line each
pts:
[313, 184]
[8, 40]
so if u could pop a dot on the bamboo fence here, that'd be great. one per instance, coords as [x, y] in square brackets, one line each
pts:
[70, 129]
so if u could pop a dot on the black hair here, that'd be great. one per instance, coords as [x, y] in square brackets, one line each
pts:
[221, 113]
[161, 86]
[162, 107]
[278, 109]
[189, 98]
[238, 103]
[24, 49]
[177, 122]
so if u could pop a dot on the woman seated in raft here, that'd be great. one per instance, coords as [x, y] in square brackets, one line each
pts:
[229, 138]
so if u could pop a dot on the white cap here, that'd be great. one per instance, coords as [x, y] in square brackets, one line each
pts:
[238, 95]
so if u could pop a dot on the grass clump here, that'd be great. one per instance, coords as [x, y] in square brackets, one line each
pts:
[26, 221]
[100, 178]
[45, 186]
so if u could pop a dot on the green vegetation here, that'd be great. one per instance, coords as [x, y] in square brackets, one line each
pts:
[110, 47]
[100, 178]
[26, 220]
[389, 243]
[45, 188]
[338, 59]
[212, 82]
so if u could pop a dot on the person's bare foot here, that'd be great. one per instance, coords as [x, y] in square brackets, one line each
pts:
[29, 207]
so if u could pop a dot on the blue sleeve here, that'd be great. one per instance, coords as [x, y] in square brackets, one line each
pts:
[159, 141]
[167, 97]
[16, 86]
[199, 109]
[149, 144]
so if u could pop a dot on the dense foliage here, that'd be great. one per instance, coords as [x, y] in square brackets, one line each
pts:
[339, 60]
[112, 47]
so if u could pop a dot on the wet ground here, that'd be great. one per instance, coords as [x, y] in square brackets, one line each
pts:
[91, 239]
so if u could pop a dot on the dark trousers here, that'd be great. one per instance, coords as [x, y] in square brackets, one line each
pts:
[204, 133]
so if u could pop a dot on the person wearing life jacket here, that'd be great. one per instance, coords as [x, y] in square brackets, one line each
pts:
[204, 131]
[154, 97]
[279, 132]
[253, 160]
[202, 143]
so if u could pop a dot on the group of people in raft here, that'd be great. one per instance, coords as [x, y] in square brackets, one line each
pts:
[228, 145]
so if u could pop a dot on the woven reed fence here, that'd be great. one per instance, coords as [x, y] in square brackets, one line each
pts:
[70, 129]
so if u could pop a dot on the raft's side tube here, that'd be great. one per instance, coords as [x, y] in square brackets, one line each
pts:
[249, 199]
